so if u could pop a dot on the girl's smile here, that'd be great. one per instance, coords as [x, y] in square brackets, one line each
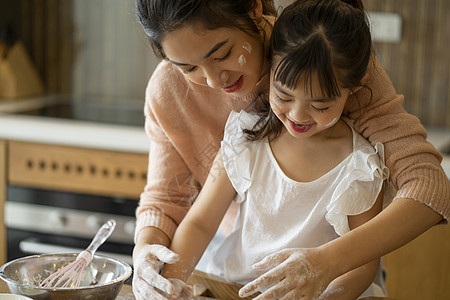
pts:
[301, 128]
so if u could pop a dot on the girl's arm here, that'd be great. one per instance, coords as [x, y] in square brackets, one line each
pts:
[318, 272]
[399, 223]
[200, 224]
[353, 283]
[316, 268]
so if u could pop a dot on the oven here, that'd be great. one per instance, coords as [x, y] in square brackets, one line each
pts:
[60, 188]
[43, 221]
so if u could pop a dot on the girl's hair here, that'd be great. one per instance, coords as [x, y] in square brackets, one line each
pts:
[159, 17]
[330, 38]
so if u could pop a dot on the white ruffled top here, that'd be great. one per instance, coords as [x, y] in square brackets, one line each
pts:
[277, 212]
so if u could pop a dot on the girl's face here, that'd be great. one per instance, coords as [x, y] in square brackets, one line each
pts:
[225, 58]
[304, 114]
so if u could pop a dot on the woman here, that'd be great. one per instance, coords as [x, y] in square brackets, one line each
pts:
[214, 62]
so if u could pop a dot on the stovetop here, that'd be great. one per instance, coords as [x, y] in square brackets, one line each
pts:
[120, 111]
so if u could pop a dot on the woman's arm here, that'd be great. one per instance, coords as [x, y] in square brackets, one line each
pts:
[167, 196]
[201, 223]
[157, 217]
[378, 114]
[423, 196]
[169, 192]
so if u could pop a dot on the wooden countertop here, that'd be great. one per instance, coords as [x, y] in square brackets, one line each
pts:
[126, 293]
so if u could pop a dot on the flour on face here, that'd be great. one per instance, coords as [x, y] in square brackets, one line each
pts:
[242, 60]
[247, 47]
[332, 122]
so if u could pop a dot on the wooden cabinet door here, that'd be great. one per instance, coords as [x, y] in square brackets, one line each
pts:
[421, 269]
[3, 168]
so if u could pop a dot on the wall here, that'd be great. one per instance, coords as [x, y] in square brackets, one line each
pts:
[45, 28]
[419, 65]
[96, 48]
[89, 48]
[113, 56]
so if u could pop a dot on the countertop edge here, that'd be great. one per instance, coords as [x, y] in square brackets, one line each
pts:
[74, 133]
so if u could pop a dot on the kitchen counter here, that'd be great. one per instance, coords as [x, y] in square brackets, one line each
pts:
[126, 293]
[99, 123]
[72, 155]
[73, 133]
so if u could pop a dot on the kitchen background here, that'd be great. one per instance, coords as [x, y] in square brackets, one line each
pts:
[96, 48]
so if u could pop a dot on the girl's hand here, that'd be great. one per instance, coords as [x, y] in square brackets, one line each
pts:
[290, 275]
[182, 290]
[147, 282]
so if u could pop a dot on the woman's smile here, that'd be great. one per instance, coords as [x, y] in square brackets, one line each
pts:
[235, 86]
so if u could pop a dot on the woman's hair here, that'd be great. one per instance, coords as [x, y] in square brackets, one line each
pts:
[159, 17]
[330, 38]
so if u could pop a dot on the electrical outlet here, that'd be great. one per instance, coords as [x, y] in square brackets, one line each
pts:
[385, 27]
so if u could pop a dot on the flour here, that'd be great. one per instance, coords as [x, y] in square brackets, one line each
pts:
[241, 60]
[299, 278]
[290, 271]
[332, 292]
[181, 290]
[148, 263]
[247, 47]
[332, 122]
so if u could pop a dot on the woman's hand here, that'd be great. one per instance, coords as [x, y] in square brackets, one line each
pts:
[290, 275]
[148, 283]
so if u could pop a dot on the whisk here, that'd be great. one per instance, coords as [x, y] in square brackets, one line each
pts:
[71, 275]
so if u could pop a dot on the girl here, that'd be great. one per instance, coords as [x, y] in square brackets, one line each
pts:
[303, 176]
[215, 62]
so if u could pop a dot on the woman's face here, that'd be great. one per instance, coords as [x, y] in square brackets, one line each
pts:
[225, 58]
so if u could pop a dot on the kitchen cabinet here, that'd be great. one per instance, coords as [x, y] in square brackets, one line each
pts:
[3, 165]
[421, 269]
[69, 168]
[103, 160]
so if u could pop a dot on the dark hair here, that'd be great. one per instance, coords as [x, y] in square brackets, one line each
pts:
[330, 37]
[159, 17]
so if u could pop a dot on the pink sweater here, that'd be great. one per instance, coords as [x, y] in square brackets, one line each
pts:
[185, 123]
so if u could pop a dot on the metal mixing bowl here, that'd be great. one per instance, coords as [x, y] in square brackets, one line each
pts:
[103, 277]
